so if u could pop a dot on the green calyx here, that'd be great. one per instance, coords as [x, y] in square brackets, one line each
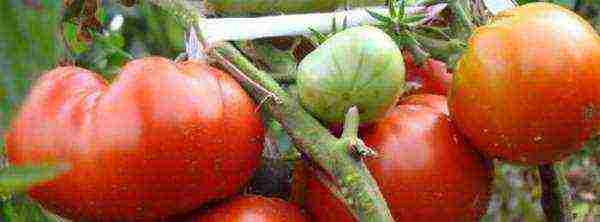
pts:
[360, 67]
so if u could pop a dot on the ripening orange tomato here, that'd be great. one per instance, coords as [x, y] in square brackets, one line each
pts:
[526, 91]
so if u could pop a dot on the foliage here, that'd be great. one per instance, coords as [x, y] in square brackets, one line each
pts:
[28, 46]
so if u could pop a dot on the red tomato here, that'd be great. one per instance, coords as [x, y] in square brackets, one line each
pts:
[424, 168]
[437, 102]
[526, 90]
[163, 139]
[254, 209]
[433, 75]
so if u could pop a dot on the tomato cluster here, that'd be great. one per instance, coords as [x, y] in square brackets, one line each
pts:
[166, 138]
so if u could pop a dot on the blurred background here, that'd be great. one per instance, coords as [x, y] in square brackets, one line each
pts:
[37, 35]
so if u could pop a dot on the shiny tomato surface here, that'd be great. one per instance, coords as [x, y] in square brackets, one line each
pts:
[432, 76]
[526, 90]
[254, 209]
[162, 139]
[424, 168]
[437, 102]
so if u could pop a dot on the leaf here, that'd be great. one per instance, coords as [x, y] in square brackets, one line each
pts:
[401, 9]
[102, 16]
[70, 35]
[19, 179]
[23, 209]
[392, 8]
[319, 37]
[414, 18]
[29, 44]
[379, 17]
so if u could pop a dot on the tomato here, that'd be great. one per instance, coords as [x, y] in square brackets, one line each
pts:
[426, 171]
[432, 76]
[526, 90]
[361, 67]
[254, 209]
[437, 102]
[158, 141]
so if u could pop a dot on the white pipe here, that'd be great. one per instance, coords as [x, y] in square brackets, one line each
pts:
[226, 29]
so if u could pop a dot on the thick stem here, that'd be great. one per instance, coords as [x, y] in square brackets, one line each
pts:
[351, 123]
[359, 190]
[350, 135]
[416, 49]
[462, 16]
[555, 193]
[447, 51]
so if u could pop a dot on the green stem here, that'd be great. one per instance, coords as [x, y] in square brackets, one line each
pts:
[447, 51]
[555, 193]
[416, 49]
[462, 16]
[351, 123]
[358, 188]
[350, 135]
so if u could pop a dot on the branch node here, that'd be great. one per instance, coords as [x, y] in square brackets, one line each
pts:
[351, 123]
[360, 149]
[240, 76]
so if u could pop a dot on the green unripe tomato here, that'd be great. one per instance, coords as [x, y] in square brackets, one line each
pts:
[360, 66]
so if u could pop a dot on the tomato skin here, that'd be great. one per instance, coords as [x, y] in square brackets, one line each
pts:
[424, 168]
[360, 66]
[526, 90]
[437, 102]
[254, 209]
[432, 75]
[154, 143]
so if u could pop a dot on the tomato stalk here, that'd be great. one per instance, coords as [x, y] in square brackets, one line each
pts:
[556, 200]
[462, 16]
[359, 190]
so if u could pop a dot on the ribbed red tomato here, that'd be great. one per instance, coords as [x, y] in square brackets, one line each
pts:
[162, 139]
[527, 88]
[254, 209]
[437, 102]
[424, 168]
[433, 75]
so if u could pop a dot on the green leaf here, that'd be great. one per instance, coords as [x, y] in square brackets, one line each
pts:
[20, 178]
[319, 37]
[29, 44]
[401, 9]
[392, 8]
[414, 18]
[23, 209]
[380, 17]
[102, 16]
[70, 35]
